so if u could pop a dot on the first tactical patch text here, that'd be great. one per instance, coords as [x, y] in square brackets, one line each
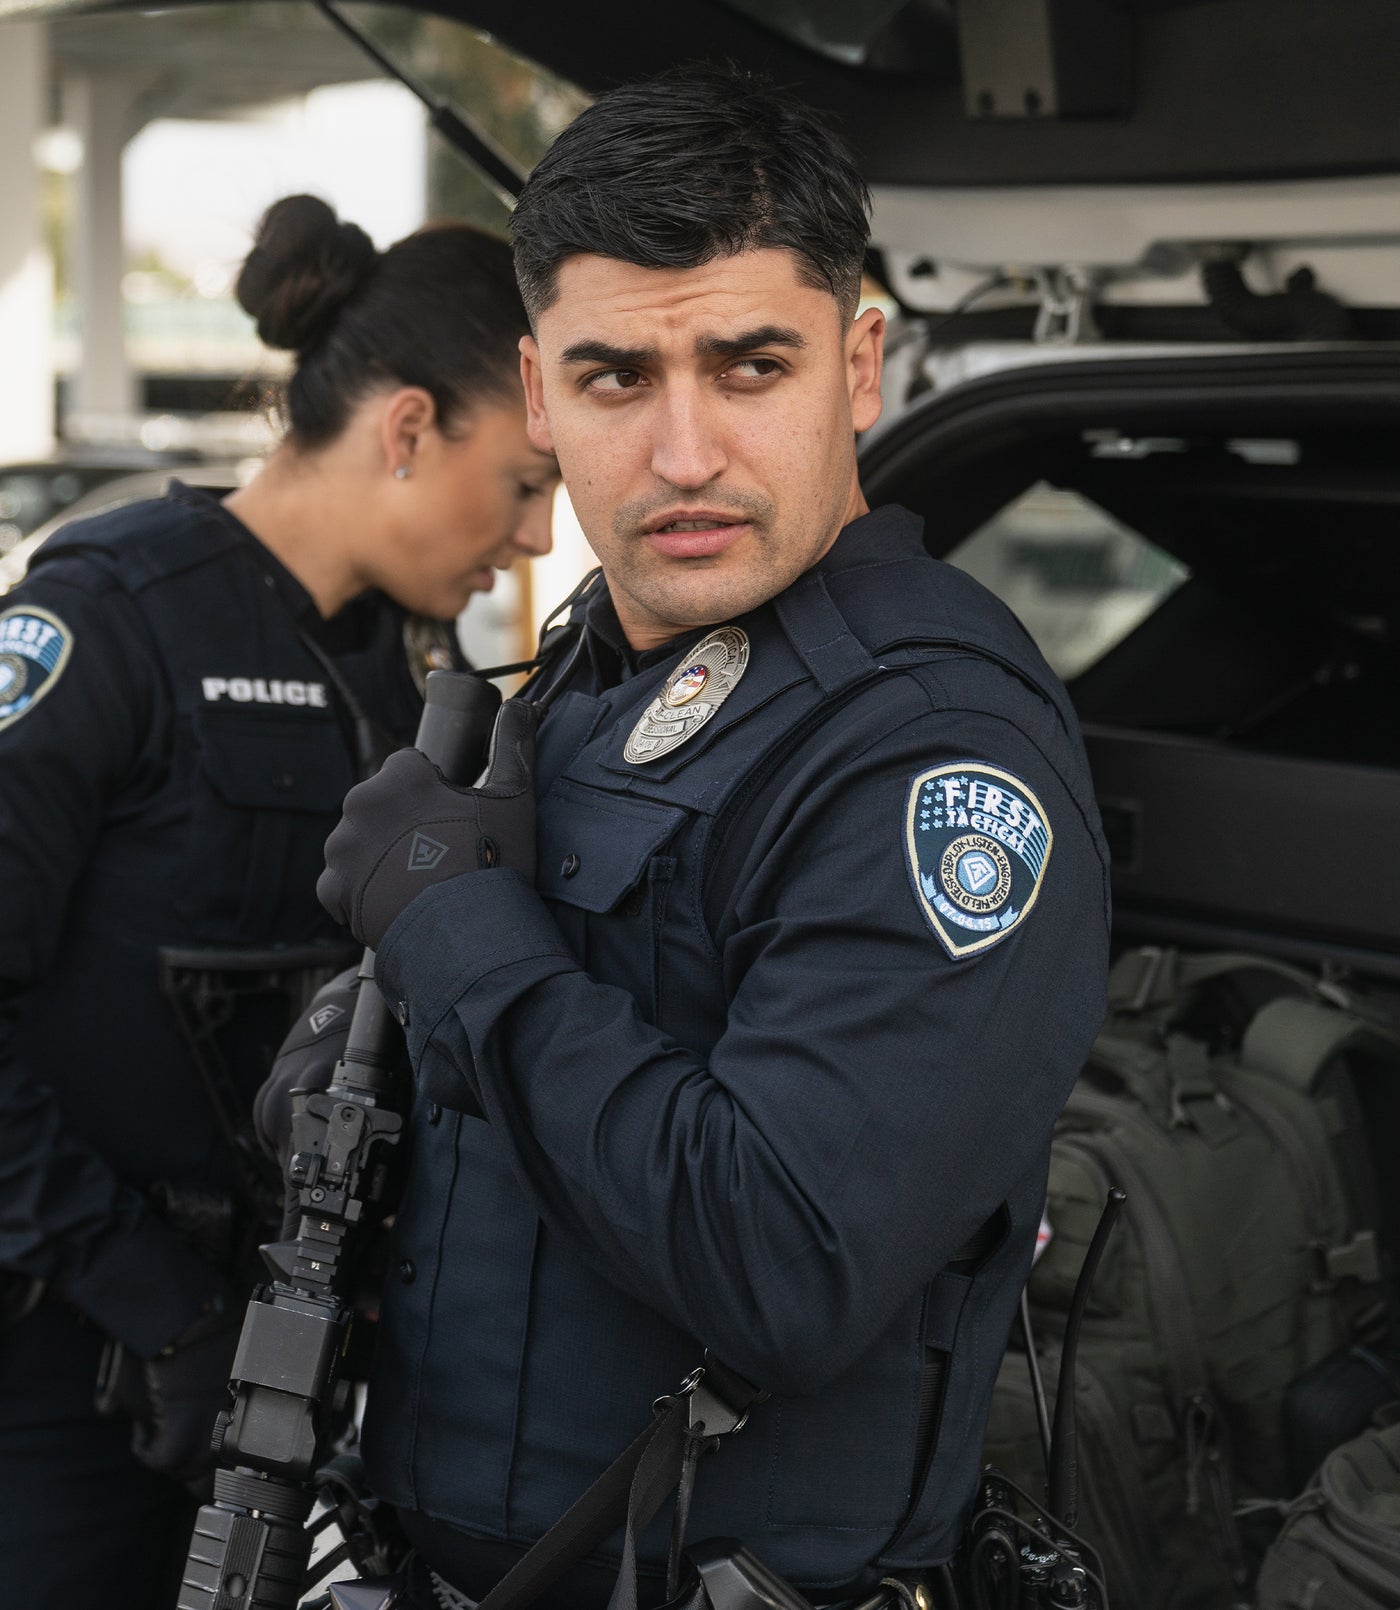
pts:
[977, 841]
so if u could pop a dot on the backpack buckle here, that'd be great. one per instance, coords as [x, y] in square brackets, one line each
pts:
[1356, 1259]
[1152, 959]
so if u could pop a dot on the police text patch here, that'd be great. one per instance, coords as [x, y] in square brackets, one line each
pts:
[978, 842]
[34, 647]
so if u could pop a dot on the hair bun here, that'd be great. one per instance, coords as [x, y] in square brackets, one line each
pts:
[304, 266]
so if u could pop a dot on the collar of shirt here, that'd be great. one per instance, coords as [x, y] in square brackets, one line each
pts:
[611, 657]
[886, 533]
[889, 532]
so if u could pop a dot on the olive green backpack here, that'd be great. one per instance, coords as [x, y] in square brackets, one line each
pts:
[1222, 1096]
[1340, 1544]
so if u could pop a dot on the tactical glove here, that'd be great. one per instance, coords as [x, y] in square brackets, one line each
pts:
[409, 828]
[174, 1398]
[305, 1060]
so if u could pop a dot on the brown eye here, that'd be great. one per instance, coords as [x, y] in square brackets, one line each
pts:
[614, 380]
[755, 368]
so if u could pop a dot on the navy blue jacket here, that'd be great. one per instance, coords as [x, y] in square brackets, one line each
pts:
[170, 783]
[740, 1093]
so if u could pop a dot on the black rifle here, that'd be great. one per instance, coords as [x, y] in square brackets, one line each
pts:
[251, 1546]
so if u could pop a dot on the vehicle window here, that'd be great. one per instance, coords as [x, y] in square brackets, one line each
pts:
[1080, 580]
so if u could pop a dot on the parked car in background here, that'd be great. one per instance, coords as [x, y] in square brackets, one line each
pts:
[36, 491]
[109, 491]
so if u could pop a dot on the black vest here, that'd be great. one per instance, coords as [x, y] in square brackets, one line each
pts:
[223, 847]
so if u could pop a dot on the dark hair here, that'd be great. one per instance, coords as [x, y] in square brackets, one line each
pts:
[700, 163]
[438, 310]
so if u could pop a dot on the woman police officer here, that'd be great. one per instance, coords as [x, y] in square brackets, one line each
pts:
[187, 689]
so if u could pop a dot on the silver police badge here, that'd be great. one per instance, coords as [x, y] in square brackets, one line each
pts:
[978, 841]
[690, 695]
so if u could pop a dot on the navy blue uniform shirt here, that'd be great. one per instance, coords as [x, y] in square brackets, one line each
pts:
[785, 1020]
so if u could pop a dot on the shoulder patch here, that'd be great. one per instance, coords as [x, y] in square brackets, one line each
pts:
[34, 648]
[978, 843]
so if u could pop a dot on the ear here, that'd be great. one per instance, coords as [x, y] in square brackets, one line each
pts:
[408, 415]
[865, 362]
[532, 378]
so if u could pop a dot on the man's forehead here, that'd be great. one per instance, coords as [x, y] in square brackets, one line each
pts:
[600, 297]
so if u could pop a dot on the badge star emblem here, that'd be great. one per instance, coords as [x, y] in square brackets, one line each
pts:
[690, 695]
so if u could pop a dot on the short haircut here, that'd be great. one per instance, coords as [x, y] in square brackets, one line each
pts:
[700, 163]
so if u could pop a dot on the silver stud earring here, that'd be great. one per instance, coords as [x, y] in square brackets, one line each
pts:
[401, 473]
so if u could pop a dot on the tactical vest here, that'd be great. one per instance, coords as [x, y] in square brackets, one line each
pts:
[507, 1372]
[218, 847]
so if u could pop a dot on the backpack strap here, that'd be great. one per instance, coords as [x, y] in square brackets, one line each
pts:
[1144, 980]
[1293, 1039]
[1170, 1078]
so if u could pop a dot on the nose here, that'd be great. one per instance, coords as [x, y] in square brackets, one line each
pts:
[535, 533]
[687, 447]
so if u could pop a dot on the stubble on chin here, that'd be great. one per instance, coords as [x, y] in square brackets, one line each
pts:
[702, 593]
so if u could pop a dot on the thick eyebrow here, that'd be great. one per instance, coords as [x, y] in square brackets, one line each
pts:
[618, 357]
[735, 346]
[707, 346]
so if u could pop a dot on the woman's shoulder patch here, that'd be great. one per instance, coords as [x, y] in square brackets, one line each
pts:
[34, 649]
[978, 842]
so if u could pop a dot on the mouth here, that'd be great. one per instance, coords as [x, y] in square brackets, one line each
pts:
[694, 534]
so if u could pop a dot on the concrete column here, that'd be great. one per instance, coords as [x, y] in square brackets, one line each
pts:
[26, 274]
[100, 109]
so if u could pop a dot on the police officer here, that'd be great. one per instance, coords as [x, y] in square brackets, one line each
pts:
[187, 689]
[743, 998]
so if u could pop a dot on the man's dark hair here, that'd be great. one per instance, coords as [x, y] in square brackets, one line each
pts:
[700, 163]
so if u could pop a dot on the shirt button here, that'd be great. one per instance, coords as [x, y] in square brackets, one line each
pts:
[569, 867]
[407, 1271]
[282, 780]
[434, 1113]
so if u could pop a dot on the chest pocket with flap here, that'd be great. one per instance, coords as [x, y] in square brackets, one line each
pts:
[602, 862]
[266, 792]
[594, 848]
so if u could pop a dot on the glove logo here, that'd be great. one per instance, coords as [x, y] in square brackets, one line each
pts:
[424, 853]
[978, 842]
[323, 1017]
